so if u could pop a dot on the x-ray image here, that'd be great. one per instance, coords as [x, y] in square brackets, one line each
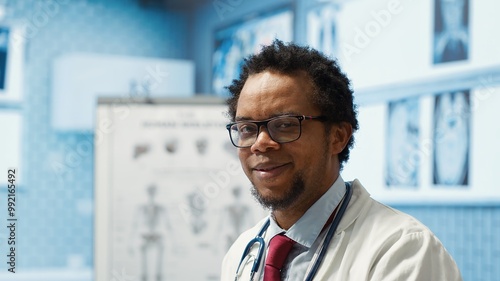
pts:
[234, 43]
[403, 160]
[451, 30]
[451, 138]
[321, 28]
[4, 44]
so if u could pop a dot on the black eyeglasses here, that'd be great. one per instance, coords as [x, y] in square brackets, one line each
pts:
[281, 129]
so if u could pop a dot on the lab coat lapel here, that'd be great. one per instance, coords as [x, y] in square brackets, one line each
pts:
[332, 258]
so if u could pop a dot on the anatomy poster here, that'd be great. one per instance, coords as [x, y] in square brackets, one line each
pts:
[170, 193]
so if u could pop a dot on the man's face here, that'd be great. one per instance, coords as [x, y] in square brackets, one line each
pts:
[292, 174]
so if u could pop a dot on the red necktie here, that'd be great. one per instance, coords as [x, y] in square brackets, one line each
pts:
[279, 247]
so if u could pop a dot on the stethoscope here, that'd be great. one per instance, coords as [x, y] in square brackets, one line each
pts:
[317, 261]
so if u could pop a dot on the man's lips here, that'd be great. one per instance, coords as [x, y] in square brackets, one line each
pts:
[269, 170]
[267, 166]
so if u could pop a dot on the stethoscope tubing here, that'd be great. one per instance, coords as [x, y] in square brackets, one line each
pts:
[317, 262]
[331, 232]
[257, 239]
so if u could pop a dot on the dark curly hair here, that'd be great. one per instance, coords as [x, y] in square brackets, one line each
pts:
[332, 93]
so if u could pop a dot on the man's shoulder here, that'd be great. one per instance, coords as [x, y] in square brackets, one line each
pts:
[383, 219]
[386, 236]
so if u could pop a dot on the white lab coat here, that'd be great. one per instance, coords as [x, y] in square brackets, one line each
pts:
[372, 242]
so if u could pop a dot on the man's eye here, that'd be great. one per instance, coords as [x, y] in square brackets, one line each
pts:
[285, 124]
[246, 129]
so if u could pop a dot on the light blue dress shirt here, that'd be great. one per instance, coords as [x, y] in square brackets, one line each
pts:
[307, 232]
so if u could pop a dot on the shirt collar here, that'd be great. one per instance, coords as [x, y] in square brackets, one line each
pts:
[309, 226]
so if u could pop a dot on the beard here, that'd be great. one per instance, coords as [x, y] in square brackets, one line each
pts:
[284, 202]
[297, 188]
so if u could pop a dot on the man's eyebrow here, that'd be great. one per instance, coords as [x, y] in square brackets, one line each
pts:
[278, 114]
[242, 118]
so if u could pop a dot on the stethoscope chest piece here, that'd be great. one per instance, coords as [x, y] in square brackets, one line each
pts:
[246, 257]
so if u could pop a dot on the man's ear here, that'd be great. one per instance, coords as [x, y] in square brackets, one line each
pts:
[340, 134]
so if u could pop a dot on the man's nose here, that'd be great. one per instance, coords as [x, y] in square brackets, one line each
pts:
[264, 142]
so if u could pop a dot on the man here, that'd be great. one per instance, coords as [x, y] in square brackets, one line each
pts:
[294, 117]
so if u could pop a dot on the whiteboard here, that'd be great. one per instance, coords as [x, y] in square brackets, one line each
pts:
[169, 190]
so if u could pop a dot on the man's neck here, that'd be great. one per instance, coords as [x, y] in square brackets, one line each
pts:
[285, 218]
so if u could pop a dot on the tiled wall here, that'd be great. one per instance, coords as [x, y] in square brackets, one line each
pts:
[56, 197]
[470, 233]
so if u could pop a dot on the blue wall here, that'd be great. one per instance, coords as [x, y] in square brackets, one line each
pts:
[56, 196]
[470, 233]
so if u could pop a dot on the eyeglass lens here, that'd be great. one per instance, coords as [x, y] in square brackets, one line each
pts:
[281, 130]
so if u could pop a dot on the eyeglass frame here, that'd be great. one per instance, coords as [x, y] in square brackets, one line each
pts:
[264, 123]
